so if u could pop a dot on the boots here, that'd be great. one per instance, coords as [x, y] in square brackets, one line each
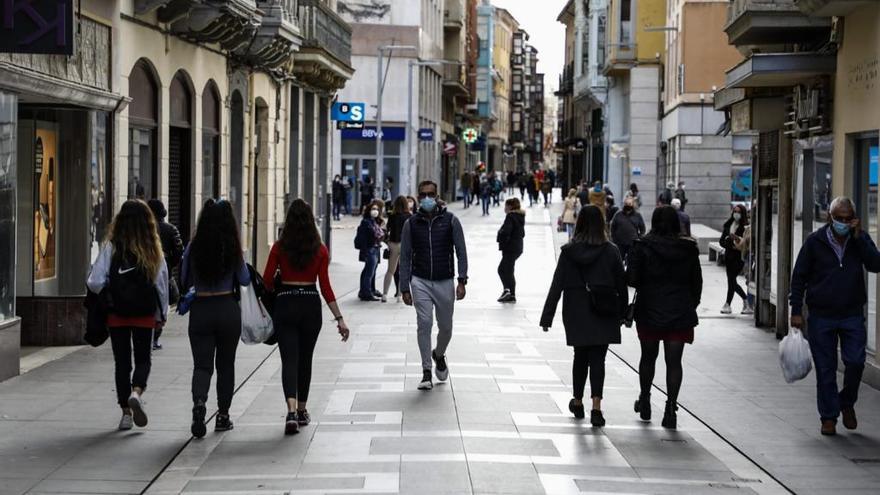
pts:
[198, 428]
[670, 418]
[643, 407]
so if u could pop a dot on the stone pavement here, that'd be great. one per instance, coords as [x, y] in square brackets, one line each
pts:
[500, 425]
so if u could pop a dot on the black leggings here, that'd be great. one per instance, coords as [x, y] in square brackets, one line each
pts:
[297, 319]
[733, 271]
[672, 352]
[121, 339]
[506, 271]
[589, 360]
[214, 330]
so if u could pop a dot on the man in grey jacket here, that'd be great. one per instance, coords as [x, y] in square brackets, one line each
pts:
[427, 276]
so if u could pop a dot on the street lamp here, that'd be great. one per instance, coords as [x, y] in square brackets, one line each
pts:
[409, 109]
[380, 89]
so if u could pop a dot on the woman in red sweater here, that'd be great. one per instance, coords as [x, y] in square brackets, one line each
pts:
[302, 259]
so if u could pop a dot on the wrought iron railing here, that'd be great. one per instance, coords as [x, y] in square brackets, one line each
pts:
[323, 28]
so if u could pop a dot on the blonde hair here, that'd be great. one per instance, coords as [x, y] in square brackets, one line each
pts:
[134, 233]
[572, 192]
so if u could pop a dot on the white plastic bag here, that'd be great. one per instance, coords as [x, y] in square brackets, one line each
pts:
[794, 356]
[256, 324]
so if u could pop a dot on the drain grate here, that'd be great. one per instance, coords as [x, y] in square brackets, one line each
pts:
[737, 479]
[674, 440]
[865, 460]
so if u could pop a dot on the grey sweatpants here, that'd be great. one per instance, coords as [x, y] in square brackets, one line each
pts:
[430, 296]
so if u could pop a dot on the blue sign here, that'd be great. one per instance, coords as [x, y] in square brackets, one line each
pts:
[348, 112]
[369, 134]
[873, 158]
[426, 134]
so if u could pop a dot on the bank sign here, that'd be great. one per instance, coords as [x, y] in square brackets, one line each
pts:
[37, 26]
[348, 112]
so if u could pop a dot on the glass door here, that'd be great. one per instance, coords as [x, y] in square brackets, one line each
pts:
[865, 168]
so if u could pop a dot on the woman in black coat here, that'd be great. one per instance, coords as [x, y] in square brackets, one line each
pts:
[591, 319]
[510, 243]
[664, 268]
[731, 235]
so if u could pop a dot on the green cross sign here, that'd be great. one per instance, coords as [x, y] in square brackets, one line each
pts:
[470, 135]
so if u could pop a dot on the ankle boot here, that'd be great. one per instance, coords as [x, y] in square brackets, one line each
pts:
[198, 428]
[670, 418]
[643, 407]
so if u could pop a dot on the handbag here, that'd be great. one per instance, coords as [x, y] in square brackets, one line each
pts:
[185, 302]
[630, 315]
[256, 324]
[386, 254]
[604, 299]
[96, 318]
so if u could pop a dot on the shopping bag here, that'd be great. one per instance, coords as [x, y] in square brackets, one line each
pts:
[794, 356]
[256, 324]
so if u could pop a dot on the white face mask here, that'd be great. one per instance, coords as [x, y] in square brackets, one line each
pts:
[374, 213]
[737, 217]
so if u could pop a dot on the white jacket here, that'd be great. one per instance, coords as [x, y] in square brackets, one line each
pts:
[99, 277]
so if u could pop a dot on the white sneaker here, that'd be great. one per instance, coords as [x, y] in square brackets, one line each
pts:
[440, 368]
[725, 310]
[126, 422]
[748, 309]
[426, 383]
[138, 412]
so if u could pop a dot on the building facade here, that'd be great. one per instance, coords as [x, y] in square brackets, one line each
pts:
[198, 100]
[500, 153]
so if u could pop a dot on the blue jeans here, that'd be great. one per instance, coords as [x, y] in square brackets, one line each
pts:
[348, 202]
[823, 334]
[370, 257]
[485, 200]
[466, 197]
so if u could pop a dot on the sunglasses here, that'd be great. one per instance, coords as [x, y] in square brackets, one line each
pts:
[423, 195]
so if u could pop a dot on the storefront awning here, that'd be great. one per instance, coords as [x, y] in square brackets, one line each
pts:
[780, 69]
[30, 84]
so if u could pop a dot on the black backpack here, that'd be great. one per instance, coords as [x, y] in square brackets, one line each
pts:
[132, 293]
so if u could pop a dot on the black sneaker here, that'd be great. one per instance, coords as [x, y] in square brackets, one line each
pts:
[303, 418]
[504, 296]
[157, 346]
[577, 410]
[198, 428]
[426, 383]
[291, 426]
[596, 418]
[223, 423]
[440, 368]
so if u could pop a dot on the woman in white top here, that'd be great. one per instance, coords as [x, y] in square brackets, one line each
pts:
[569, 214]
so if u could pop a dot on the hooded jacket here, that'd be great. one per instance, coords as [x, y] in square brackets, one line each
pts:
[666, 274]
[510, 235]
[581, 264]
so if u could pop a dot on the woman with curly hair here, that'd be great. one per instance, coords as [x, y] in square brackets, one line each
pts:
[132, 273]
[213, 264]
[301, 259]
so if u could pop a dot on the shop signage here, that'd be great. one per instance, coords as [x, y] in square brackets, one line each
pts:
[341, 124]
[426, 134]
[348, 112]
[36, 26]
[369, 134]
[450, 148]
[470, 135]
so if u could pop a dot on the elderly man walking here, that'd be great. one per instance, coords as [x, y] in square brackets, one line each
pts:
[428, 242]
[830, 274]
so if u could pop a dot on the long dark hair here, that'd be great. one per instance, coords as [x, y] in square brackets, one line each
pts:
[401, 206]
[743, 215]
[134, 235]
[216, 245]
[300, 239]
[590, 226]
[665, 223]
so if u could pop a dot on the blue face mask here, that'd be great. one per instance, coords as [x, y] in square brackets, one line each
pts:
[840, 229]
[598, 188]
[428, 204]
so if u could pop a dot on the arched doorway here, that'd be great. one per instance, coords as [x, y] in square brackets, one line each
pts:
[260, 178]
[236, 154]
[211, 140]
[143, 125]
[180, 140]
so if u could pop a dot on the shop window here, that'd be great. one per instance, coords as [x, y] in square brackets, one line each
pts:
[143, 118]
[865, 156]
[8, 107]
[211, 140]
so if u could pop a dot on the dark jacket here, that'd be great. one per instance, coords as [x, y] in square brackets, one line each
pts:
[429, 245]
[172, 244]
[685, 221]
[338, 190]
[626, 228]
[667, 276]
[395, 225]
[367, 236]
[581, 264]
[510, 235]
[833, 288]
[726, 241]
[665, 197]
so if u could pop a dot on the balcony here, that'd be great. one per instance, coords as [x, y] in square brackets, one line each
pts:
[277, 37]
[324, 59]
[231, 24]
[621, 57]
[770, 22]
[828, 8]
[566, 81]
[455, 79]
[454, 15]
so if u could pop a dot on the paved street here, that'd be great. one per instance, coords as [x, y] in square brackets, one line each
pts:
[500, 425]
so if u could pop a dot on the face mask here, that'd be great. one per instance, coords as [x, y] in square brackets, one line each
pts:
[627, 209]
[681, 187]
[374, 213]
[598, 188]
[840, 229]
[428, 204]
